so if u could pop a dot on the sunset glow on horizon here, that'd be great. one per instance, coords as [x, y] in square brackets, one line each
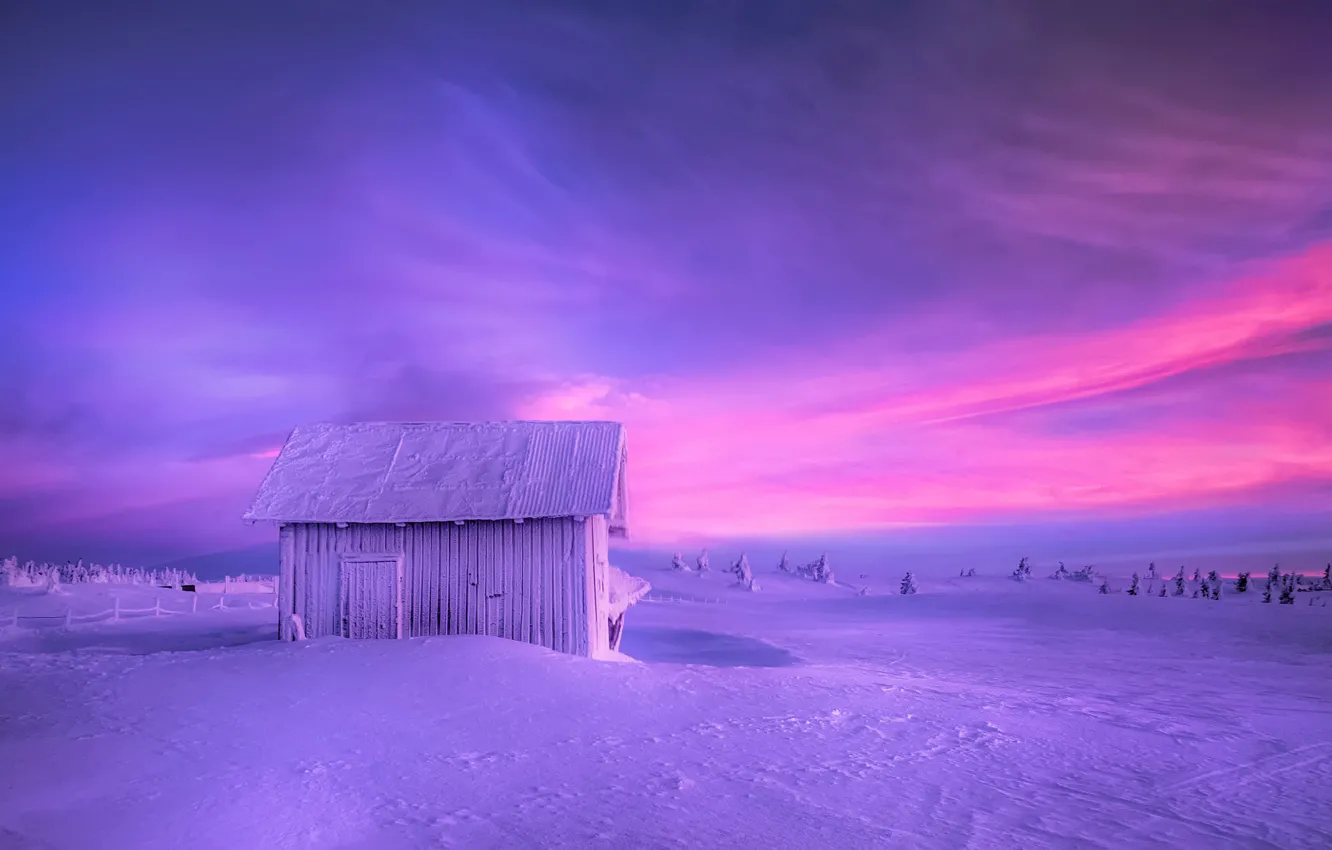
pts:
[840, 271]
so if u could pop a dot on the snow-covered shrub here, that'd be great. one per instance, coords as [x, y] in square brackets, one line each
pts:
[1179, 582]
[703, 563]
[678, 563]
[1163, 590]
[1214, 584]
[908, 583]
[9, 572]
[1327, 577]
[1105, 587]
[1151, 571]
[1023, 571]
[818, 570]
[1197, 574]
[1061, 573]
[743, 574]
[784, 565]
[1133, 587]
[1288, 591]
[1242, 583]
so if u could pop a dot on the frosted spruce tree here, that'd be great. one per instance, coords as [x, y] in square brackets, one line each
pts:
[784, 565]
[1288, 591]
[1267, 591]
[1242, 583]
[1163, 590]
[743, 574]
[1214, 580]
[1197, 574]
[703, 564]
[1327, 577]
[678, 562]
[819, 570]
[1133, 586]
[908, 583]
[1179, 582]
[1023, 571]
[1151, 571]
[1061, 573]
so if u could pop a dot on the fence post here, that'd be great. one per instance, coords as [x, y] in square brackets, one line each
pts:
[115, 609]
[69, 617]
[157, 607]
[194, 603]
[226, 584]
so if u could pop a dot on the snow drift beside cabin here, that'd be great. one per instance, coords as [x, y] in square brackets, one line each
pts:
[377, 472]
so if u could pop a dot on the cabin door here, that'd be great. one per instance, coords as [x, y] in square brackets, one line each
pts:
[371, 596]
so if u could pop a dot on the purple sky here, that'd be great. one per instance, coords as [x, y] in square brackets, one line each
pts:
[844, 268]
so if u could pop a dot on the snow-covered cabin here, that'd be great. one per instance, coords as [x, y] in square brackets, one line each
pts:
[394, 529]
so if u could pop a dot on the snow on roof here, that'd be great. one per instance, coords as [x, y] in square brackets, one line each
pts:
[442, 471]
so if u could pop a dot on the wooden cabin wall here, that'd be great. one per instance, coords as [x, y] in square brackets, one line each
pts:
[597, 586]
[523, 581]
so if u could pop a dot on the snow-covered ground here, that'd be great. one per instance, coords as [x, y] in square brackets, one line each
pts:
[977, 713]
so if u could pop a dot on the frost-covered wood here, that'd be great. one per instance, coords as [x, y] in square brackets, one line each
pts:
[542, 581]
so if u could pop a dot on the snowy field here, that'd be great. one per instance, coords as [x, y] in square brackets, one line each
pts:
[977, 713]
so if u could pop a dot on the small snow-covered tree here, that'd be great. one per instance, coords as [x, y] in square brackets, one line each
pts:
[784, 565]
[1327, 577]
[1133, 587]
[9, 572]
[1105, 587]
[678, 562]
[1242, 583]
[908, 583]
[1288, 592]
[1061, 573]
[743, 574]
[1214, 582]
[971, 573]
[1163, 590]
[703, 563]
[1267, 592]
[1023, 571]
[1151, 571]
[1179, 582]
[1197, 574]
[818, 570]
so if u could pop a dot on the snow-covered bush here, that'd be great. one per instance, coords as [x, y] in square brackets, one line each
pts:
[1242, 583]
[784, 565]
[703, 563]
[743, 574]
[1288, 591]
[1105, 587]
[1084, 574]
[1023, 571]
[1214, 584]
[1151, 571]
[908, 583]
[1133, 587]
[9, 570]
[678, 563]
[818, 570]
[1179, 582]
[1163, 590]
[1197, 574]
[1061, 573]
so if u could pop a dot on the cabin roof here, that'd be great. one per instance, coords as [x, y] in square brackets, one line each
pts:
[373, 472]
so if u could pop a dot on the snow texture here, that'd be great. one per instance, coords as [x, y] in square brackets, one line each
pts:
[980, 712]
[444, 471]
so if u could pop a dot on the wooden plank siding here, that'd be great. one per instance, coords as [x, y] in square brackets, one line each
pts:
[542, 581]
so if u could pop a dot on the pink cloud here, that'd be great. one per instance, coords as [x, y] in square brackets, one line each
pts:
[868, 436]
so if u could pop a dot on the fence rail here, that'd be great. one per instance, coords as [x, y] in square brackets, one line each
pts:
[116, 613]
[666, 596]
